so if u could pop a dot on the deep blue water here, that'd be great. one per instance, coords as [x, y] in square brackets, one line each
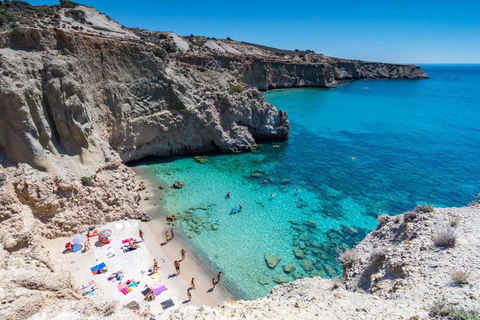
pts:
[358, 150]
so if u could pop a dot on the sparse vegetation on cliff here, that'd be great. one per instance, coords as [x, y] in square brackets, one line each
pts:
[445, 238]
[236, 89]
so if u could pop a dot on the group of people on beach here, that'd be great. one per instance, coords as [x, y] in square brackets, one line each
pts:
[168, 238]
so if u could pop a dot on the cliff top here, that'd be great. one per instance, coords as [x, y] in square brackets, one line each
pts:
[74, 17]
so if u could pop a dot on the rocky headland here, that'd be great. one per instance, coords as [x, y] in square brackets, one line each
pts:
[81, 95]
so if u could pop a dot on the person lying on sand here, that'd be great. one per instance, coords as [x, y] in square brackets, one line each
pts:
[132, 245]
[116, 275]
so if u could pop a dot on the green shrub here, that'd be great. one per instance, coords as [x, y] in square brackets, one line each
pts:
[76, 14]
[170, 47]
[236, 89]
[442, 309]
[68, 4]
[87, 181]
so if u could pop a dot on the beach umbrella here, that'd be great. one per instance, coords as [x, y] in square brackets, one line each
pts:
[104, 234]
[81, 238]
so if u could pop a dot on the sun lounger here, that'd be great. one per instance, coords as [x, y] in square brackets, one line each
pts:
[98, 268]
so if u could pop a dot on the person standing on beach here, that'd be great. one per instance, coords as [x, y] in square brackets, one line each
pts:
[155, 265]
[86, 245]
[189, 294]
[177, 266]
[219, 275]
[192, 283]
[140, 233]
[213, 284]
[167, 237]
[171, 231]
[182, 252]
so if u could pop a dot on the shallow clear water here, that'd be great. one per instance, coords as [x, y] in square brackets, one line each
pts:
[355, 151]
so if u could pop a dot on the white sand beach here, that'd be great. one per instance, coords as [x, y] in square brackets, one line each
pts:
[136, 264]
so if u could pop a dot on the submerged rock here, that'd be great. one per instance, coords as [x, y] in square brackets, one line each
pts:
[330, 271]
[307, 265]
[256, 174]
[298, 253]
[289, 267]
[263, 279]
[280, 279]
[310, 224]
[316, 274]
[201, 159]
[272, 260]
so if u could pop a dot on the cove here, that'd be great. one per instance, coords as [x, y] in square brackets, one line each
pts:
[355, 151]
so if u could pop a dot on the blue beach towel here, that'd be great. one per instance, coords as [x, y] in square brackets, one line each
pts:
[76, 248]
[98, 267]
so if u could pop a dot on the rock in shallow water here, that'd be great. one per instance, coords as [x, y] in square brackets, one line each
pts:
[280, 279]
[307, 265]
[310, 224]
[272, 260]
[289, 267]
[298, 253]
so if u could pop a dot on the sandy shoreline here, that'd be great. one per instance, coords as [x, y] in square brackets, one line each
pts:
[135, 264]
[196, 266]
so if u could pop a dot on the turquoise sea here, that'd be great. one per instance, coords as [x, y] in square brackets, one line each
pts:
[357, 150]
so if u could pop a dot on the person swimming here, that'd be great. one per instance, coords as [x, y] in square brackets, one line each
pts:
[273, 195]
[353, 158]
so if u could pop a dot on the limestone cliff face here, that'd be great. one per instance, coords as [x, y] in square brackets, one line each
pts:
[89, 97]
[267, 75]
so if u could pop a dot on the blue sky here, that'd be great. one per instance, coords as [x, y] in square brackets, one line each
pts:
[390, 31]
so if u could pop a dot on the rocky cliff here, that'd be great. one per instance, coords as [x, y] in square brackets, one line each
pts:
[80, 95]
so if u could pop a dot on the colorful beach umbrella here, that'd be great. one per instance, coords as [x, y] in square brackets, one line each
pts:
[104, 234]
[81, 238]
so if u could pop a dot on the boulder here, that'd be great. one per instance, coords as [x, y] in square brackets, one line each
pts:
[310, 224]
[178, 185]
[272, 260]
[289, 267]
[298, 253]
[307, 265]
